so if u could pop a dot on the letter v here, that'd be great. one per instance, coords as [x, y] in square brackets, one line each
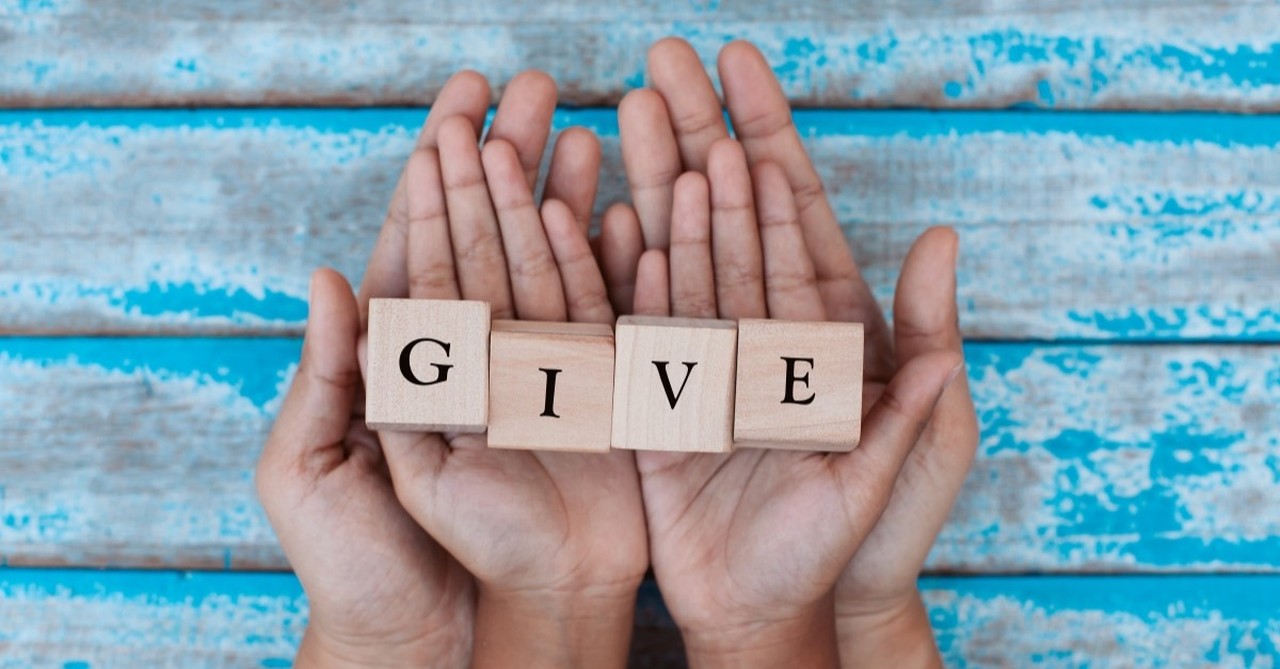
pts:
[666, 381]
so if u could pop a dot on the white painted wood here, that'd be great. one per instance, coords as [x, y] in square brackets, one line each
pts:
[75, 619]
[1072, 226]
[139, 452]
[1052, 53]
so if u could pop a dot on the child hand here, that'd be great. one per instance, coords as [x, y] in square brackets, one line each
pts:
[670, 130]
[381, 591]
[555, 541]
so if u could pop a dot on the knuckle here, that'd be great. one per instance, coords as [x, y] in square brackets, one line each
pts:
[808, 193]
[791, 281]
[696, 123]
[432, 279]
[588, 301]
[533, 266]
[763, 125]
[663, 177]
[484, 246]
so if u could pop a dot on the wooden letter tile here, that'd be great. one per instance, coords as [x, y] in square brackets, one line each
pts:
[799, 385]
[428, 365]
[550, 386]
[673, 384]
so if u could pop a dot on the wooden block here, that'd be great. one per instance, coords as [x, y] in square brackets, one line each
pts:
[799, 385]
[673, 384]
[550, 386]
[428, 365]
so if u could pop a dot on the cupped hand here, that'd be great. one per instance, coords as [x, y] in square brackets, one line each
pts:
[670, 129]
[381, 591]
[555, 541]
[747, 546]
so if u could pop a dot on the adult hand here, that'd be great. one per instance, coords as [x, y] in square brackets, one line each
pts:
[748, 546]
[670, 129]
[555, 540]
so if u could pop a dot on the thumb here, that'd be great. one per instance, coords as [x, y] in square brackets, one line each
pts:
[892, 428]
[317, 410]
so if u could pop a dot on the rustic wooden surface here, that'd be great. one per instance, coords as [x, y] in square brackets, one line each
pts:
[1100, 458]
[129, 619]
[1098, 226]
[1118, 271]
[1059, 54]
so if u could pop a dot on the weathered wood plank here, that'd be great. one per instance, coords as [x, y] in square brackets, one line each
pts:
[73, 619]
[139, 452]
[1099, 226]
[1051, 53]
[1100, 621]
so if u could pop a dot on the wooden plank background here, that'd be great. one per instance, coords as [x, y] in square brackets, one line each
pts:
[205, 620]
[1059, 54]
[1118, 278]
[1098, 226]
[1101, 458]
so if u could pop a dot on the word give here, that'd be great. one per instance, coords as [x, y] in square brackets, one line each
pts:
[666, 384]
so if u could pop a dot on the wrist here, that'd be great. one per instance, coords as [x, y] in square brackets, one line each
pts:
[806, 639]
[554, 628]
[892, 632]
[321, 651]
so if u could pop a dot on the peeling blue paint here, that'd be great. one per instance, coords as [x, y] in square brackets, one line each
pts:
[158, 585]
[253, 368]
[1223, 323]
[188, 299]
[1182, 128]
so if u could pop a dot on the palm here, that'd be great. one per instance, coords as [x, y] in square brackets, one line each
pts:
[373, 578]
[674, 131]
[367, 558]
[729, 525]
[526, 519]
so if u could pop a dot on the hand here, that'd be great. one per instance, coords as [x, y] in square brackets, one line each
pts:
[555, 541]
[381, 591]
[671, 129]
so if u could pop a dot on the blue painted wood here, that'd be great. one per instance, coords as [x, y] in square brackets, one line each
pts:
[103, 619]
[1055, 54]
[1074, 226]
[1093, 458]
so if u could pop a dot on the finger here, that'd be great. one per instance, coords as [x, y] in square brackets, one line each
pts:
[924, 307]
[317, 410]
[480, 263]
[652, 291]
[574, 174]
[651, 159]
[735, 237]
[535, 281]
[524, 119]
[621, 243]
[466, 94]
[584, 291]
[762, 120]
[694, 108]
[790, 285]
[891, 430]
[693, 290]
[430, 255]
[926, 319]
